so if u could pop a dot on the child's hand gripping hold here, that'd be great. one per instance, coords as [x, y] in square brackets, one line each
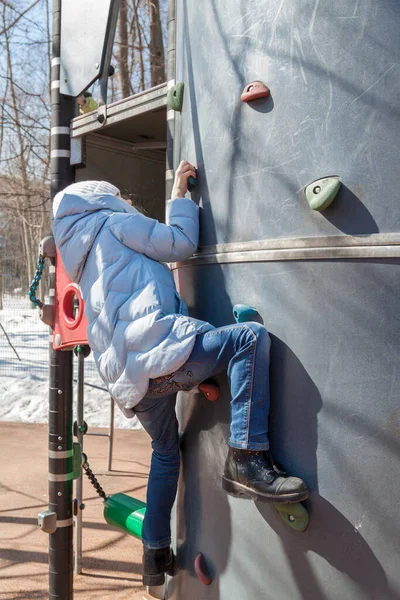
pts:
[183, 172]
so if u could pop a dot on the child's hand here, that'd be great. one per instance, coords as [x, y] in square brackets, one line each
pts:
[183, 172]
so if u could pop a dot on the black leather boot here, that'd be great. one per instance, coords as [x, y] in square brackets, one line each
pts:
[156, 563]
[254, 474]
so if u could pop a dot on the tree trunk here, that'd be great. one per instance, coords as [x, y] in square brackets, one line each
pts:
[122, 55]
[21, 203]
[156, 44]
[139, 44]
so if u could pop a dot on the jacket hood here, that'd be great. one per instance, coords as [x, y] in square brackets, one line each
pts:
[78, 219]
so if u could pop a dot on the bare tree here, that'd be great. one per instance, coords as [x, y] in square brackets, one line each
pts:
[139, 49]
[24, 146]
[156, 48]
[122, 53]
[25, 64]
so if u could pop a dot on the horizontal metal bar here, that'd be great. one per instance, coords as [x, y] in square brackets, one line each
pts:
[92, 385]
[373, 239]
[385, 245]
[126, 108]
[98, 434]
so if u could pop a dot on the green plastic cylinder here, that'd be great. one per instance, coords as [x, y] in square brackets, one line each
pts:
[126, 513]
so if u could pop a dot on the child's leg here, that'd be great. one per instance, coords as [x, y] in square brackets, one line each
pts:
[243, 351]
[157, 416]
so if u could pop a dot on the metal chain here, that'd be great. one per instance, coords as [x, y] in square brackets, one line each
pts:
[35, 282]
[93, 479]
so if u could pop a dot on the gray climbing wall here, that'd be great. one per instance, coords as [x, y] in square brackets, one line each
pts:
[326, 286]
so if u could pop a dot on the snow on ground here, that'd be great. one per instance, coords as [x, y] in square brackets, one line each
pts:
[24, 378]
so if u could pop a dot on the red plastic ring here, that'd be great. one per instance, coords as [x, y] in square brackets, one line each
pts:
[71, 321]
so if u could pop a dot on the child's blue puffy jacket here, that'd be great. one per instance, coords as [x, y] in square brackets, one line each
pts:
[138, 324]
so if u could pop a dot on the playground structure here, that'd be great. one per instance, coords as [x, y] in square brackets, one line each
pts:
[290, 115]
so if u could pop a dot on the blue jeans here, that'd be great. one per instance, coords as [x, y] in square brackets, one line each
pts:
[243, 352]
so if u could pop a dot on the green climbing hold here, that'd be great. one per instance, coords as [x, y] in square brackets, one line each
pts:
[295, 515]
[175, 97]
[322, 192]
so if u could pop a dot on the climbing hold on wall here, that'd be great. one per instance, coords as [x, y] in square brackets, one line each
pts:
[175, 97]
[200, 568]
[322, 192]
[254, 90]
[295, 515]
[192, 182]
[243, 313]
[210, 391]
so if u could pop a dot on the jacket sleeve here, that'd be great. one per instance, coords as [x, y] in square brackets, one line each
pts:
[174, 241]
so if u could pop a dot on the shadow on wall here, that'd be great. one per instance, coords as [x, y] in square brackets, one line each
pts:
[349, 214]
[352, 556]
[205, 428]
[295, 405]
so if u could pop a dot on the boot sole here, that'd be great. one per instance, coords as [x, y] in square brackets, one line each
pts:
[154, 580]
[238, 489]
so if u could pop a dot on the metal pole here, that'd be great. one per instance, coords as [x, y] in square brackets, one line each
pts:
[79, 482]
[169, 167]
[60, 363]
[111, 434]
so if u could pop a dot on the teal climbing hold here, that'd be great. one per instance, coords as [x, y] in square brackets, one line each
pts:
[191, 183]
[243, 313]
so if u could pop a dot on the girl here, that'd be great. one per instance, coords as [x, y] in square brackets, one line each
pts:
[146, 347]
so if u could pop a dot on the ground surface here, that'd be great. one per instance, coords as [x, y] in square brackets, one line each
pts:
[111, 559]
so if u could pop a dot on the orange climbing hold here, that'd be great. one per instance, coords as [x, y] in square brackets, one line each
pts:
[210, 390]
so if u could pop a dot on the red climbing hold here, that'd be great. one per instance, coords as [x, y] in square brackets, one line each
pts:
[210, 391]
[254, 90]
[200, 568]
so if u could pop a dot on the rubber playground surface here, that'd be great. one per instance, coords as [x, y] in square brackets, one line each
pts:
[111, 563]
